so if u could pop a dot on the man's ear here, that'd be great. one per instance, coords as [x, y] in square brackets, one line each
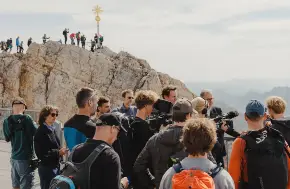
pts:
[246, 118]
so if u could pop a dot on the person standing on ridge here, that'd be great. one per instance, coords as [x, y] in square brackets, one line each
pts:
[65, 32]
[17, 44]
[101, 41]
[78, 37]
[44, 38]
[29, 41]
[72, 38]
[83, 41]
[21, 49]
[9, 45]
[93, 44]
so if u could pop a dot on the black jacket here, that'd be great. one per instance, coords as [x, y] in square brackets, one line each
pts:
[47, 145]
[282, 125]
[156, 157]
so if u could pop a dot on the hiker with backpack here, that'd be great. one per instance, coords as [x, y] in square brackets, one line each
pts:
[72, 38]
[196, 171]
[276, 109]
[95, 164]
[18, 44]
[260, 157]
[44, 38]
[29, 41]
[47, 146]
[19, 129]
[64, 33]
[83, 41]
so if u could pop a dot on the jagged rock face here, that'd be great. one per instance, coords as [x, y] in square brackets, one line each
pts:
[53, 73]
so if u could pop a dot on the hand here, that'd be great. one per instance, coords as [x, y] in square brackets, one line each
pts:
[224, 127]
[125, 182]
[62, 151]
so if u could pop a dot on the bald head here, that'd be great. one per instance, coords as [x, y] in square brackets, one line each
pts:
[207, 95]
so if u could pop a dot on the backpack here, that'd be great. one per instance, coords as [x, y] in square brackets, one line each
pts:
[267, 166]
[193, 178]
[77, 175]
[64, 32]
[15, 126]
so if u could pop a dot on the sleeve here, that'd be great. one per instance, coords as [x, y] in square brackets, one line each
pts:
[233, 132]
[141, 173]
[43, 153]
[6, 131]
[166, 181]
[32, 125]
[70, 136]
[235, 160]
[114, 175]
[224, 180]
[288, 160]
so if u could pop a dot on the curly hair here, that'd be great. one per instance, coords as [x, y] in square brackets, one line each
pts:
[44, 113]
[199, 136]
[144, 98]
[277, 104]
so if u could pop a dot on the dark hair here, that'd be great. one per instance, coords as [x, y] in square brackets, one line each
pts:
[179, 116]
[83, 95]
[102, 100]
[144, 98]
[253, 116]
[126, 92]
[204, 92]
[44, 113]
[167, 89]
[199, 136]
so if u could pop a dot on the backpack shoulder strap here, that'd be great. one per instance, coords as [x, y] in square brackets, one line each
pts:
[215, 171]
[97, 151]
[177, 167]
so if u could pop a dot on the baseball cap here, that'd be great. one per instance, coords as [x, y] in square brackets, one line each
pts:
[255, 106]
[109, 119]
[182, 105]
[19, 101]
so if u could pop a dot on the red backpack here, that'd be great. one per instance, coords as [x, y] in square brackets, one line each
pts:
[193, 178]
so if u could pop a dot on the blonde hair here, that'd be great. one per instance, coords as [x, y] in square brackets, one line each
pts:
[198, 104]
[276, 104]
[145, 97]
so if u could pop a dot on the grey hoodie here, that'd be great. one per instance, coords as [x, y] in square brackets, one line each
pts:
[222, 180]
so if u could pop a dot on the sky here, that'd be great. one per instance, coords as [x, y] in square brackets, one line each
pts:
[191, 40]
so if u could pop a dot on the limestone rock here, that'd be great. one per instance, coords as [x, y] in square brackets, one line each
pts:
[53, 73]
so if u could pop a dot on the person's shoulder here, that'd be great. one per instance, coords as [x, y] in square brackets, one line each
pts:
[224, 180]
[69, 122]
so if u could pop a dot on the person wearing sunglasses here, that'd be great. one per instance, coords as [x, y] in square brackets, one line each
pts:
[127, 108]
[47, 146]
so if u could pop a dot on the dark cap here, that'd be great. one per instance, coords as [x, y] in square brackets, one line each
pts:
[255, 106]
[182, 105]
[19, 101]
[109, 119]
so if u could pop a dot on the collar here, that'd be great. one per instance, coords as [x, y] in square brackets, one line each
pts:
[52, 127]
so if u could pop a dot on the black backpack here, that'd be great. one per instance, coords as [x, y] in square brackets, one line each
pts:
[77, 175]
[266, 156]
[15, 126]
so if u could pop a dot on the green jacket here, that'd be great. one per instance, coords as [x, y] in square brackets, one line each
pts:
[22, 138]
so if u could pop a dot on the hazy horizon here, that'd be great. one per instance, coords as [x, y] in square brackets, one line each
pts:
[191, 41]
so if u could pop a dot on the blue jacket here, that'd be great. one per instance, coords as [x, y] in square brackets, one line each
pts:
[17, 41]
[130, 112]
[76, 131]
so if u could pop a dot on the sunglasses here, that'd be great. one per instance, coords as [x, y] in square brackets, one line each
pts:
[54, 114]
[130, 98]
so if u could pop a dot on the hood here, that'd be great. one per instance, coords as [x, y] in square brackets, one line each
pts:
[285, 122]
[170, 136]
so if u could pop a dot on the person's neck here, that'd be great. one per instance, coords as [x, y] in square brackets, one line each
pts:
[198, 156]
[141, 115]
[18, 113]
[180, 124]
[126, 105]
[102, 137]
[256, 126]
[83, 111]
[278, 116]
[48, 124]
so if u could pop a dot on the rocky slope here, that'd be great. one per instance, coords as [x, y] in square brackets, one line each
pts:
[52, 74]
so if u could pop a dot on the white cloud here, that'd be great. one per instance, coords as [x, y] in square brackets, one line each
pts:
[191, 40]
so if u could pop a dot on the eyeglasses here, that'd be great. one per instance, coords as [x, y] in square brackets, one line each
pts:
[54, 114]
[118, 128]
[130, 97]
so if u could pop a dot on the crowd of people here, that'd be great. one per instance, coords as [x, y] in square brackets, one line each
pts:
[95, 43]
[117, 148]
